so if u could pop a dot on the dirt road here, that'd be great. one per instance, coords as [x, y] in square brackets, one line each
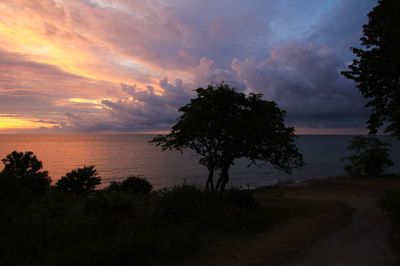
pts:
[327, 235]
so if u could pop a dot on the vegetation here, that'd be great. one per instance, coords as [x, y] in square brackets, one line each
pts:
[128, 223]
[376, 70]
[369, 157]
[22, 175]
[79, 181]
[133, 184]
[222, 125]
[124, 224]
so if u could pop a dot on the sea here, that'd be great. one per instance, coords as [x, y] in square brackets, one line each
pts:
[117, 156]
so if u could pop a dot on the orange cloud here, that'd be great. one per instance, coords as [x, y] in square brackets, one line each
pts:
[16, 123]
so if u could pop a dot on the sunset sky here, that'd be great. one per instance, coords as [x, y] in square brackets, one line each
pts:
[127, 65]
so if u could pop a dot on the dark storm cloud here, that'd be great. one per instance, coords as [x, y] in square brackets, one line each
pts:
[305, 80]
[342, 27]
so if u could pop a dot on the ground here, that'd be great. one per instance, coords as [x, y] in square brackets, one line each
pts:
[342, 226]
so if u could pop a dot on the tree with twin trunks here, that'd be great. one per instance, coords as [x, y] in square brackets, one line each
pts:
[222, 125]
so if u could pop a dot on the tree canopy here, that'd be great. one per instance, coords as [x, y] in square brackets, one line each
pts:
[80, 180]
[132, 184]
[222, 125]
[376, 70]
[22, 171]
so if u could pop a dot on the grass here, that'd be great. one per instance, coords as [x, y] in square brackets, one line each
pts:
[120, 226]
[112, 227]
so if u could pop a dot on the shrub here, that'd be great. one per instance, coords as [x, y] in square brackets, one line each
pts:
[108, 204]
[181, 203]
[369, 157]
[111, 227]
[391, 203]
[22, 172]
[80, 180]
[132, 184]
[241, 198]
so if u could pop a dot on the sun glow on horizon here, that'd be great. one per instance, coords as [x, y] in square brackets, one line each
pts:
[15, 123]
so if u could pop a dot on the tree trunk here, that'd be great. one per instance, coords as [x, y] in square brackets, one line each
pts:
[223, 179]
[223, 184]
[210, 180]
[218, 184]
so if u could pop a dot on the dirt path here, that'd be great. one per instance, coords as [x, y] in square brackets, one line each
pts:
[326, 236]
[274, 246]
[360, 242]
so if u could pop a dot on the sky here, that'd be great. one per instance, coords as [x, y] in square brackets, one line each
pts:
[128, 65]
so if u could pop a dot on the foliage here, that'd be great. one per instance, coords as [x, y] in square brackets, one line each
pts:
[241, 198]
[376, 71]
[181, 203]
[391, 203]
[115, 227]
[222, 125]
[80, 180]
[132, 184]
[369, 157]
[22, 173]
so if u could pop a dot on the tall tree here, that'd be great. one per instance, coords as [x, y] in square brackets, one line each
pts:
[222, 125]
[376, 70]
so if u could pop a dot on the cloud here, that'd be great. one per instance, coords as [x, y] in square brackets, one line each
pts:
[65, 60]
[43, 121]
[341, 28]
[205, 73]
[140, 109]
[305, 80]
[31, 88]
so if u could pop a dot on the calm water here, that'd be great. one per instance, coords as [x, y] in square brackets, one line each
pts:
[120, 155]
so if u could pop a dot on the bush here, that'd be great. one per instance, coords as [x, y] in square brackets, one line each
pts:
[110, 205]
[391, 203]
[369, 157]
[80, 180]
[181, 203]
[132, 184]
[22, 173]
[112, 227]
[241, 198]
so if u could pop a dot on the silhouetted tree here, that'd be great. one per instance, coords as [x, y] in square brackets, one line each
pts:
[22, 170]
[80, 180]
[376, 71]
[369, 157]
[222, 125]
[132, 184]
